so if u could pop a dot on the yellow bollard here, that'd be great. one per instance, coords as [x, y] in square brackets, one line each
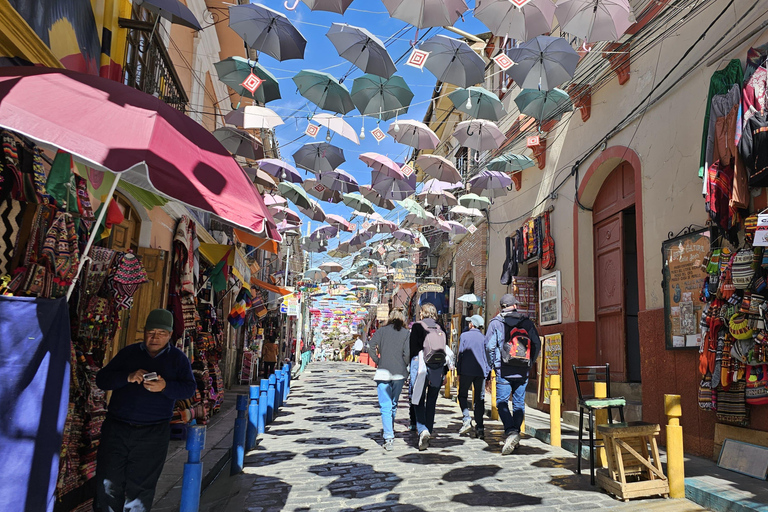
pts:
[494, 409]
[601, 418]
[554, 411]
[675, 463]
[448, 380]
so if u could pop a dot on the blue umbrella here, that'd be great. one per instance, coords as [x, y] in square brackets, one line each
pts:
[510, 163]
[324, 90]
[544, 105]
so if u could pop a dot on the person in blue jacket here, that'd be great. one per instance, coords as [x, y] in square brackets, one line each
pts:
[473, 368]
[146, 380]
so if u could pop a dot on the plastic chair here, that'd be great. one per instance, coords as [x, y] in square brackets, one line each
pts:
[592, 374]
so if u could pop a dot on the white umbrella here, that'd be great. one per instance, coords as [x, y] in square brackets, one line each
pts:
[439, 168]
[463, 210]
[426, 13]
[479, 134]
[595, 20]
[337, 124]
[505, 19]
[253, 117]
[414, 134]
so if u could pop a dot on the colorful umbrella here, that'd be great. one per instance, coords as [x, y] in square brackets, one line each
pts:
[478, 134]
[279, 169]
[362, 49]
[438, 198]
[595, 20]
[339, 221]
[383, 165]
[324, 233]
[285, 214]
[474, 201]
[471, 298]
[318, 157]
[374, 197]
[268, 31]
[510, 163]
[435, 185]
[315, 274]
[338, 180]
[478, 102]
[315, 212]
[358, 202]
[544, 105]
[381, 97]
[239, 142]
[455, 228]
[453, 61]
[336, 124]
[414, 134]
[323, 193]
[324, 90]
[233, 71]
[253, 117]
[295, 194]
[543, 63]
[426, 13]
[505, 19]
[274, 200]
[392, 188]
[331, 267]
[420, 220]
[405, 235]
[383, 226]
[439, 167]
[361, 237]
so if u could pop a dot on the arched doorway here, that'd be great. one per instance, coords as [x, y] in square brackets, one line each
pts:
[616, 275]
[468, 309]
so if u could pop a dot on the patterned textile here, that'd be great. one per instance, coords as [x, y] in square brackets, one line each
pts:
[11, 217]
[127, 276]
[84, 202]
[188, 311]
[185, 234]
[732, 404]
[39, 176]
[60, 249]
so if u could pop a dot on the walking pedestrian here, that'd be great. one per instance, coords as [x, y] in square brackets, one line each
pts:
[473, 367]
[513, 344]
[146, 379]
[269, 356]
[390, 350]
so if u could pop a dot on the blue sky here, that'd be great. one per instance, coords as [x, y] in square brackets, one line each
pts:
[321, 55]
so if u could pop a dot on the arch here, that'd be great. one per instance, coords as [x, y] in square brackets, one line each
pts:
[145, 230]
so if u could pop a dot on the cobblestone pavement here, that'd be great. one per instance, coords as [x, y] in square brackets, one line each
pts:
[324, 452]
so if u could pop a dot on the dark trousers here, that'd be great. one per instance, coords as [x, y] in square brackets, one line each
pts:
[269, 368]
[466, 382]
[128, 465]
[425, 411]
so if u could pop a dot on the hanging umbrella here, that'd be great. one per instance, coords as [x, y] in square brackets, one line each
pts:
[440, 198]
[286, 227]
[340, 251]
[544, 105]
[338, 180]
[253, 117]
[426, 13]
[383, 226]
[339, 221]
[338, 125]
[414, 134]
[337, 6]
[274, 200]
[331, 267]
[510, 163]
[434, 185]
[173, 11]
[295, 194]
[490, 184]
[453, 61]
[234, 70]
[419, 220]
[362, 49]
[260, 177]
[324, 233]
[358, 202]
[405, 235]
[268, 31]
[505, 19]
[439, 167]
[279, 169]
[374, 197]
[463, 210]
[315, 274]
[284, 213]
[323, 90]
[318, 157]
[413, 207]
[456, 228]
[543, 63]
[479, 134]
[315, 212]
[382, 164]
[595, 20]
[401, 263]
[381, 97]
[313, 245]
[472, 299]
[323, 193]
[239, 142]
[361, 237]
[474, 201]
[482, 104]
[392, 188]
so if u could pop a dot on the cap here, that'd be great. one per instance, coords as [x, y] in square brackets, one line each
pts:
[159, 319]
[476, 320]
[508, 300]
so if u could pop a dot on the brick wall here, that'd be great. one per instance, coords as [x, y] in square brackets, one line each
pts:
[471, 251]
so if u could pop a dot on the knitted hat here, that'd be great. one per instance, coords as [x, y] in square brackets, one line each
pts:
[159, 319]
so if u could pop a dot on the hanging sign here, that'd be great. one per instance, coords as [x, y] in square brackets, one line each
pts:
[472, 229]
[417, 59]
[553, 361]
[382, 250]
[407, 170]
[366, 225]
[532, 141]
[312, 130]
[430, 288]
[252, 82]
[378, 134]
[405, 274]
[761, 232]
[382, 312]
[503, 61]
[381, 270]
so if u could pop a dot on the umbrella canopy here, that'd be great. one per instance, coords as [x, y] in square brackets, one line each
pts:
[453, 61]
[339, 221]
[405, 235]
[383, 226]
[239, 142]
[313, 245]
[435, 185]
[323, 90]
[324, 233]
[268, 31]
[417, 220]
[472, 299]
[153, 145]
[401, 263]
[274, 200]
[338, 180]
[456, 228]
[284, 213]
[295, 194]
[474, 201]
[279, 169]
[510, 162]
[315, 274]
[479, 134]
[544, 105]
[173, 11]
[337, 6]
[482, 104]
[543, 63]
[392, 188]
[490, 184]
[440, 198]
[340, 251]
[414, 134]
[439, 168]
[373, 196]
[331, 267]
[361, 237]
[253, 117]
[381, 97]
[319, 157]
[413, 207]
[463, 210]
[338, 125]
[426, 13]
[362, 49]
[315, 212]
[323, 193]
[358, 202]
[234, 70]
[286, 226]
[260, 177]
[381, 164]
[505, 19]
[595, 20]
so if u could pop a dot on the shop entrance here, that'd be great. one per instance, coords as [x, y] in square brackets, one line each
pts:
[616, 277]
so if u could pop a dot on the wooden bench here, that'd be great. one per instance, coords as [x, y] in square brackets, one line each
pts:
[633, 470]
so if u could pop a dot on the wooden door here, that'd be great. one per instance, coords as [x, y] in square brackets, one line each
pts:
[150, 295]
[610, 307]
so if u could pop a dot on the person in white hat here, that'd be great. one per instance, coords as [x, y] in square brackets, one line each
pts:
[473, 368]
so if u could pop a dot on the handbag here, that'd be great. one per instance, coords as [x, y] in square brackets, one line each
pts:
[705, 393]
[757, 384]
[732, 404]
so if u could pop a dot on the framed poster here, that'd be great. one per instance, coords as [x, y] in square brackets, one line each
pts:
[550, 307]
[682, 258]
[553, 361]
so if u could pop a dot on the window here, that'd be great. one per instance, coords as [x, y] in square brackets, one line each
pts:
[462, 161]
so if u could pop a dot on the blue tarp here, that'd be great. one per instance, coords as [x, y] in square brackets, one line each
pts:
[34, 390]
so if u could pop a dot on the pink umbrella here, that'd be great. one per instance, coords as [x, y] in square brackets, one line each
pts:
[287, 226]
[383, 226]
[283, 213]
[453, 227]
[274, 200]
[382, 164]
[111, 127]
[339, 221]
[413, 133]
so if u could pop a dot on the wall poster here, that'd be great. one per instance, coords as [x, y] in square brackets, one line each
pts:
[550, 309]
[682, 258]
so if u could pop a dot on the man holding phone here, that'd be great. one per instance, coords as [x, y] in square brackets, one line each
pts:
[146, 380]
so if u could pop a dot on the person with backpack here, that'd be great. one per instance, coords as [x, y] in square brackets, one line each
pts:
[513, 344]
[390, 350]
[473, 368]
[430, 361]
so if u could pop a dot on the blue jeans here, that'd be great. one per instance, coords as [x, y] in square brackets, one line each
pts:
[389, 393]
[514, 388]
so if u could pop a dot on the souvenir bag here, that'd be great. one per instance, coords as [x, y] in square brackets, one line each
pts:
[757, 384]
[60, 249]
[726, 284]
[705, 393]
[732, 404]
[750, 226]
[510, 267]
[548, 258]
[742, 271]
[128, 275]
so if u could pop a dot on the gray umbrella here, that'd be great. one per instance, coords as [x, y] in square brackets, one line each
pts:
[595, 20]
[337, 6]
[172, 10]
[392, 188]
[239, 142]
[543, 63]
[362, 49]
[426, 13]
[381, 97]
[323, 193]
[268, 31]
[505, 19]
[453, 61]
[318, 157]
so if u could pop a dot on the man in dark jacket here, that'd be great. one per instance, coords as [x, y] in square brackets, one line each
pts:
[511, 378]
[146, 380]
[473, 368]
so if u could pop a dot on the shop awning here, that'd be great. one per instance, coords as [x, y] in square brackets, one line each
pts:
[265, 244]
[270, 287]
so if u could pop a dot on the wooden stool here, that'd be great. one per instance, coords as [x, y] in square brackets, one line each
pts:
[631, 472]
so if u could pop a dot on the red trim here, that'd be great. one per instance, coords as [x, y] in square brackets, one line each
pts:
[647, 15]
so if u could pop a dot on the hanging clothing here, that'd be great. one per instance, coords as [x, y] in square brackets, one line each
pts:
[720, 83]
[754, 96]
[753, 148]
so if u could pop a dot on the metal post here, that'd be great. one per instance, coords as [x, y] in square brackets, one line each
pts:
[253, 417]
[192, 479]
[238, 441]
[494, 408]
[675, 462]
[271, 399]
[555, 434]
[263, 405]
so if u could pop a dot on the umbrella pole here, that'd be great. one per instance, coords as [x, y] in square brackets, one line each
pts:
[84, 257]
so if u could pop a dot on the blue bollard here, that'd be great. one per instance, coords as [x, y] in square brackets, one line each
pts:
[193, 469]
[286, 385]
[279, 389]
[271, 399]
[263, 405]
[253, 418]
[238, 442]
[287, 370]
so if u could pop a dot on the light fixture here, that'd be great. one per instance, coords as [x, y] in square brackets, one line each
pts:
[328, 136]
[469, 102]
[284, 175]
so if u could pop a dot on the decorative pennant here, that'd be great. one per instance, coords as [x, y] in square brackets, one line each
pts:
[472, 229]
[378, 134]
[519, 3]
[503, 61]
[532, 142]
[407, 170]
[366, 225]
[312, 130]
[252, 82]
[320, 188]
[417, 59]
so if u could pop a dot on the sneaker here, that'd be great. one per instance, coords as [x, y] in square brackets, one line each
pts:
[412, 428]
[510, 444]
[466, 427]
[423, 440]
[389, 444]
[480, 433]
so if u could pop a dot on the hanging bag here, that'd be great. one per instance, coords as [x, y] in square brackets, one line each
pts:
[757, 384]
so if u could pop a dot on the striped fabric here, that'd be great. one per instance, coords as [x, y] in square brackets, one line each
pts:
[732, 404]
[11, 216]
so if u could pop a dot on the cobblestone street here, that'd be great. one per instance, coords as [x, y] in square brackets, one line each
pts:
[324, 452]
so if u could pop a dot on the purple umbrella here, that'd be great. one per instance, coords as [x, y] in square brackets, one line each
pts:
[434, 185]
[287, 226]
[280, 170]
[490, 184]
[405, 235]
[453, 227]
[275, 200]
[323, 233]
[383, 226]
[392, 188]
[338, 180]
[339, 221]
[361, 237]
